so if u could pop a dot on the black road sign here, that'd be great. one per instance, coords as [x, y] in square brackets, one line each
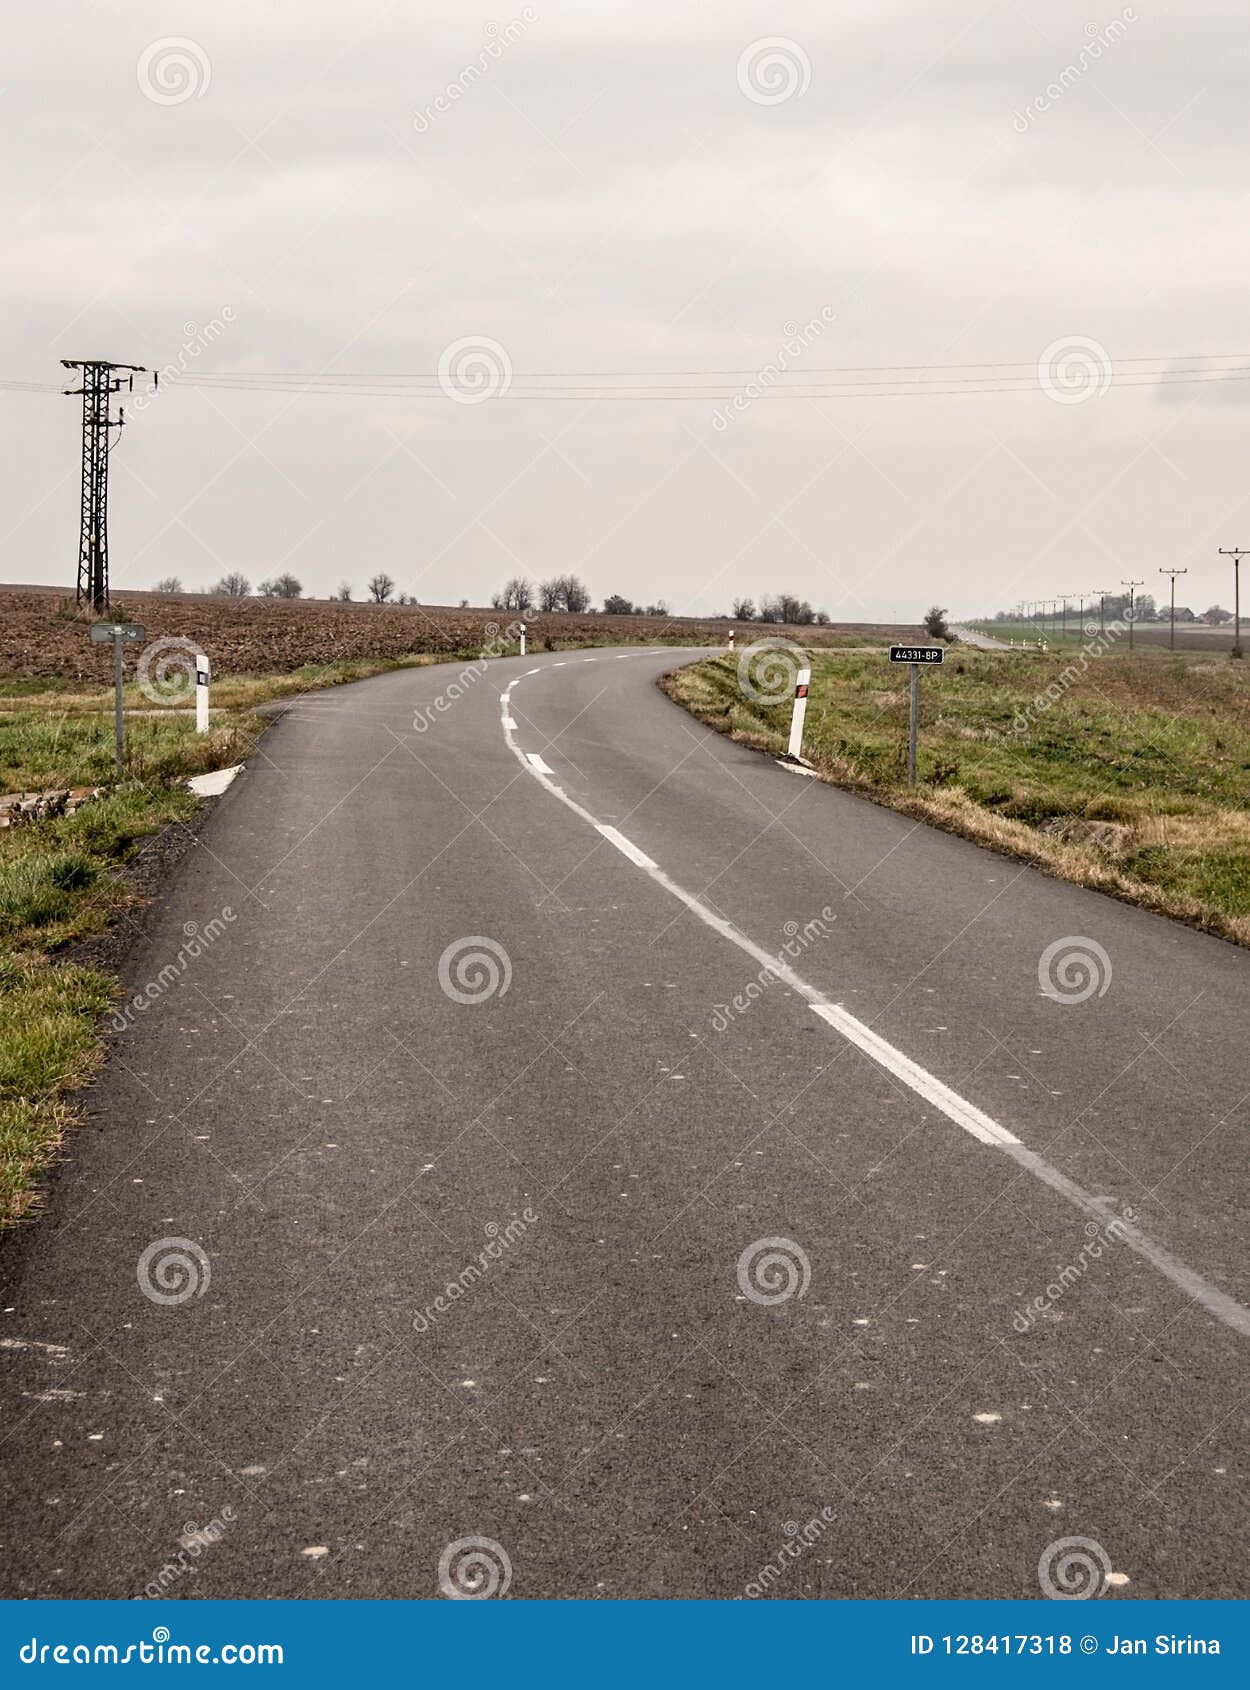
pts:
[916, 653]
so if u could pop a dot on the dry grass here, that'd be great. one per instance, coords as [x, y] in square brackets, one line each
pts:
[1129, 777]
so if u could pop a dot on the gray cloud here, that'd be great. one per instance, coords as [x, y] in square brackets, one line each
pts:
[604, 196]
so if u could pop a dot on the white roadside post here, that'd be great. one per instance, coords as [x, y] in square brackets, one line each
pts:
[522, 639]
[802, 681]
[731, 639]
[201, 693]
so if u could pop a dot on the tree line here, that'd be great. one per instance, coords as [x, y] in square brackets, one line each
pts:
[1146, 608]
[566, 594]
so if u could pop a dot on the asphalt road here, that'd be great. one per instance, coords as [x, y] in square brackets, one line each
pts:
[1007, 1297]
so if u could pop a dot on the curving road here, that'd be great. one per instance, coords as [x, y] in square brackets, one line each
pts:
[566, 1128]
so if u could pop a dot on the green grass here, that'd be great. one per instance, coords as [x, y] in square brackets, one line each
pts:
[49, 1041]
[56, 884]
[1125, 772]
[38, 751]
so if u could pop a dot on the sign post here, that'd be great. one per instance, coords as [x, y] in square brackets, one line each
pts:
[913, 719]
[101, 634]
[915, 656]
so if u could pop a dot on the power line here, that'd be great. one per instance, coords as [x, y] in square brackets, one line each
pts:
[517, 389]
[632, 387]
[1028, 364]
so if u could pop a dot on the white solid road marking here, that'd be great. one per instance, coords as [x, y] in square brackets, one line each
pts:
[508, 722]
[888, 1056]
[626, 847]
[956, 1108]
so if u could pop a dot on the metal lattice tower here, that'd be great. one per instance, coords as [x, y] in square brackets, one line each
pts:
[100, 380]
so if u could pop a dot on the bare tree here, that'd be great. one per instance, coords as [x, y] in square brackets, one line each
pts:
[344, 593]
[575, 593]
[381, 587]
[794, 610]
[168, 584]
[564, 592]
[518, 594]
[281, 587]
[233, 586]
[616, 604]
[744, 610]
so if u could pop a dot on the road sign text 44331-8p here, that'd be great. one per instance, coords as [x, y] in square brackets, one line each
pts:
[916, 653]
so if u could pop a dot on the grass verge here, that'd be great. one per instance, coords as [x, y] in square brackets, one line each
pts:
[49, 1042]
[59, 883]
[1126, 773]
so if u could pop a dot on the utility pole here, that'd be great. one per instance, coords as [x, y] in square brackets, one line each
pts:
[1131, 585]
[1102, 610]
[100, 380]
[1172, 621]
[1236, 555]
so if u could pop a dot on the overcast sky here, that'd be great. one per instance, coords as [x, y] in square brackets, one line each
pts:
[633, 188]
